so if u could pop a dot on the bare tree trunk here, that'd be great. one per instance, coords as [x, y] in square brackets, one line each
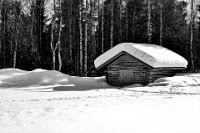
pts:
[59, 37]
[53, 50]
[86, 41]
[54, 60]
[102, 28]
[120, 21]
[99, 21]
[40, 36]
[133, 22]
[192, 36]
[149, 25]
[16, 47]
[161, 23]
[15, 52]
[32, 29]
[16, 35]
[70, 36]
[94, 40]
[112, 22]
[81, 37]
[57, 46]
[0, 24]
[126, 21]
[59, 59]
[4, 23]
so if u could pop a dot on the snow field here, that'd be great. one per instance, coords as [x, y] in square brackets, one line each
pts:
[102, 112]
[42, 101]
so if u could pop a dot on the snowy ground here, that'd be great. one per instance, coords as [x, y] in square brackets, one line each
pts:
[43, 101]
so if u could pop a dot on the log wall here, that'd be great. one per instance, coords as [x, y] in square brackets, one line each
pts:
[127, 70]
[156, 73]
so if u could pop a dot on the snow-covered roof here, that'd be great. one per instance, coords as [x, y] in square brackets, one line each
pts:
[153, 55]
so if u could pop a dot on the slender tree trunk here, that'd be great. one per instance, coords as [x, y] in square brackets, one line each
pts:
[112, 24]
[59, 37]
[86, 41]
[99, 23]
[58, 44]
[81, 37]
[126, 22]
[59, 58]
[53, 50]
[1, 25]
[70, 37]
[102, 28]
[149, 25]
[41, 30]
[15, 50]
[192, 36]
[32, 32]
[17, 14]
[15, 57]
[161, 23]
[93, 38]
[120, 21]
[77, 48]
[4, 23]
[54, 60]
[133, 22]
[16, 47]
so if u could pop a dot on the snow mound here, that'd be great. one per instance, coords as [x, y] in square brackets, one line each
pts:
[153, 55]
[178, 81]
[181, 83]
[40, 78]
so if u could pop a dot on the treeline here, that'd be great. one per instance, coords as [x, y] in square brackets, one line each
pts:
[67, 35]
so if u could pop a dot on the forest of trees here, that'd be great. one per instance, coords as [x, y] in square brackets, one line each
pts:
[67, 35]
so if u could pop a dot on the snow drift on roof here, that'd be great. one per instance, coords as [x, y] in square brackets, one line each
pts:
[153, 55]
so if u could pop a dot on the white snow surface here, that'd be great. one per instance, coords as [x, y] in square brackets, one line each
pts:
[43, 101]
[39, 78]
[153, 55]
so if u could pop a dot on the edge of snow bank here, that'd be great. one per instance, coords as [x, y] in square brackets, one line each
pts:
[182, 83]
[39, 79]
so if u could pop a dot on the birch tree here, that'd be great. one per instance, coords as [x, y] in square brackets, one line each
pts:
[59, 36]
[53, 49]
[149, 24]
[81, 37]
[57, 45]
[133, 22]
[86, 39]
[70, 33]
[112, 24]
[192, 35]
[161, 22]
[1, 5]
[126, 24]
[17, 20]
[3, 28]
[102, 27]
[120, 20]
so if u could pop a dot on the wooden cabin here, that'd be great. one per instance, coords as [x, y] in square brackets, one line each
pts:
[131, 63]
